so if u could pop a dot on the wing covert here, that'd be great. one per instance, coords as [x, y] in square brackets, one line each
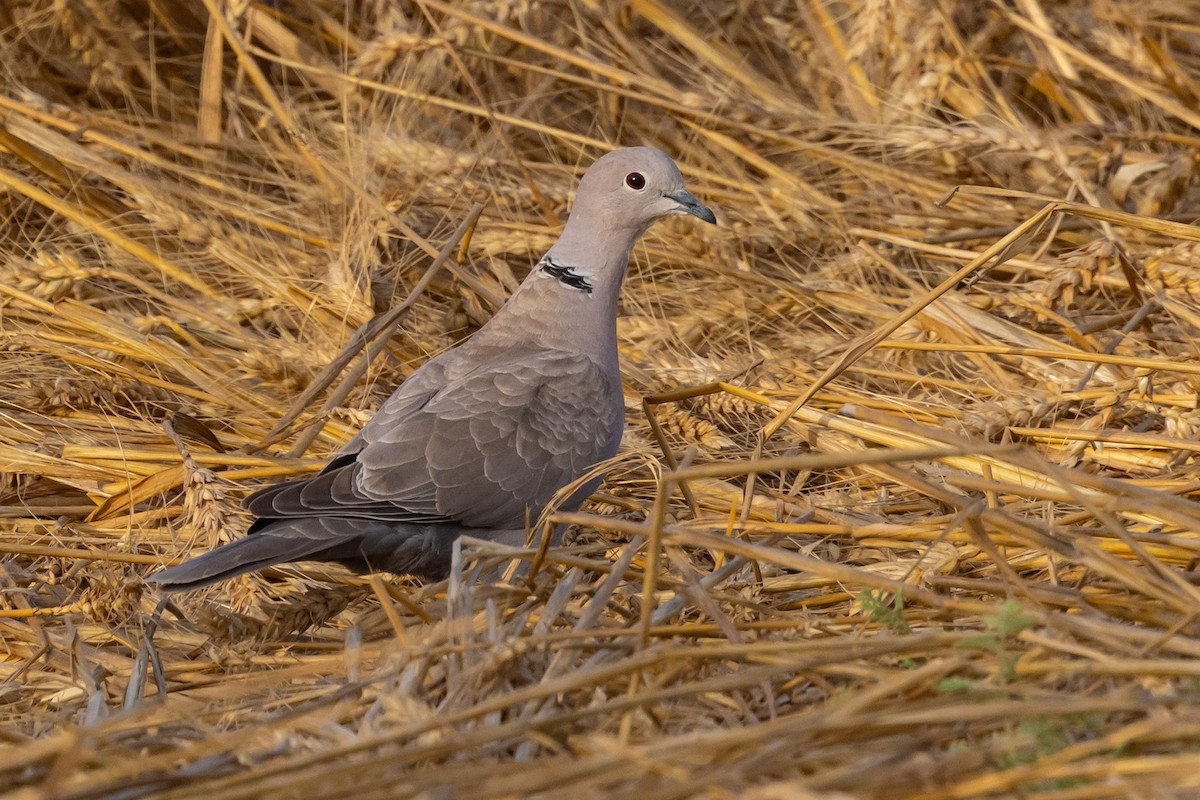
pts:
[498, 436]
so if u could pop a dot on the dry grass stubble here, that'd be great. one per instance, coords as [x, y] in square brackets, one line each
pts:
[924, 526]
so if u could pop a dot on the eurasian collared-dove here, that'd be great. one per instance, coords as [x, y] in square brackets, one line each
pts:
[478, 440]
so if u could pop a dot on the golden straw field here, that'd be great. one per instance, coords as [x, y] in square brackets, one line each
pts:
[907, 505]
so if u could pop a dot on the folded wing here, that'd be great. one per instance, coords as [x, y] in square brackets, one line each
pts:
[476, 444]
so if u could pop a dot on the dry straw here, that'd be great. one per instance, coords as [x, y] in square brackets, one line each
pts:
[906, 504]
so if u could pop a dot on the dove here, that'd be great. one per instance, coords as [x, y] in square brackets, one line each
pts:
[480, 438]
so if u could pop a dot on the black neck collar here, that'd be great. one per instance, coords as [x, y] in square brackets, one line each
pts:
[566, 275]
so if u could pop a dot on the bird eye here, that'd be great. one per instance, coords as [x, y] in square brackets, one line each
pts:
[635, 180]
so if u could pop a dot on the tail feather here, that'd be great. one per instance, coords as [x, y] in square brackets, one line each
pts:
[254, 552]
[363, 545]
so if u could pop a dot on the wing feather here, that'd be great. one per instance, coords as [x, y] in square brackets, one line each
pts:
[481, 443]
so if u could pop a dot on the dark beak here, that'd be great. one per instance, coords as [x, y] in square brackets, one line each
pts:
[688, 204]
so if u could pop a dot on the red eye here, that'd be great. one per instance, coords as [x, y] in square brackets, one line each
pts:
[635, 180]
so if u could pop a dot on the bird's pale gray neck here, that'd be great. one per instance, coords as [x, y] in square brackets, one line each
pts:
[569, 301]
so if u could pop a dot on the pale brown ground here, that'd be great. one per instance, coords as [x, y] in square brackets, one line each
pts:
[968, 570]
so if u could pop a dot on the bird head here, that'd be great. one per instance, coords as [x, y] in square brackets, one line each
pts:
[634, 187]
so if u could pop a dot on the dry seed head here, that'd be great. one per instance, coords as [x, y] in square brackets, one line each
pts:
[989, 418]
[205, 505]
[915, 139]
[729, 410]
[920, 65]
[499, 242]
[248, 308]
[1109, 399]
[310, 609]
[869, 27]
[405, 156]
[85, 35]
[394, 49]
[1176, 271]
[1125, 49]
[110, 596]
[52, 274]
[1182, 425]
[354, 417]
[1076, 273]
[787, 33]
[284, 367]
[225, 626]
[79, 393]
[689, 429]
[71, 394]
[245, 593]
[597, 507]
[173, 219]
[1097, 257]
[676, 370]
[392, 705]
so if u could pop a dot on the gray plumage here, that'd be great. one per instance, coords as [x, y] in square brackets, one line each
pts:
[480, 438]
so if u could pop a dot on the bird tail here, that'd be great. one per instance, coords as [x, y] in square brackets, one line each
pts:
[362, 545]
[254, 552]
